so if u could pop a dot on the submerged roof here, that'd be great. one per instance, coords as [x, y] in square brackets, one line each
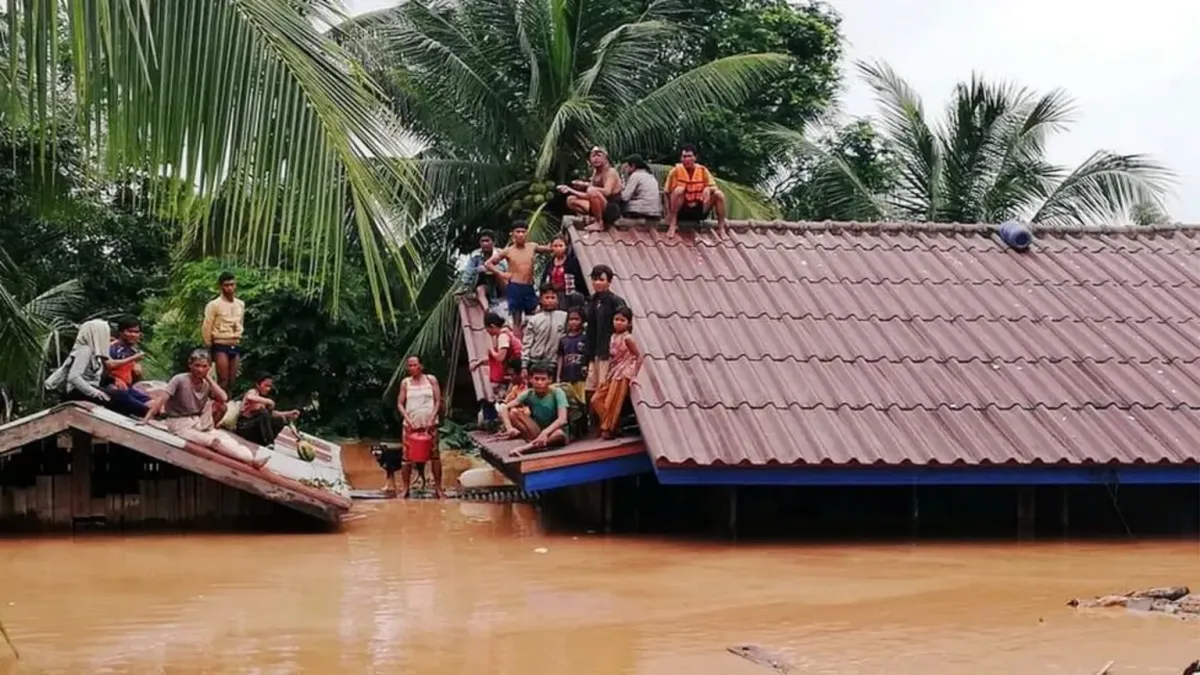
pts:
[283, 480]
[823, 343]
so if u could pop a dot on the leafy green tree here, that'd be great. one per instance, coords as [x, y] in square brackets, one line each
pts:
[985, 161]
[63, 226]
[812, 185]
[246, 100]
[1148, 213]
[337, 365]
[31, 320]
[505, 92]
[729, 137]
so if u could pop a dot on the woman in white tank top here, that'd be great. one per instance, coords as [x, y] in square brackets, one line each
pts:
[419, 403]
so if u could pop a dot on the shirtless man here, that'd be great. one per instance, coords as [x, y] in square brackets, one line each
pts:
[518, 278]
[597, 198]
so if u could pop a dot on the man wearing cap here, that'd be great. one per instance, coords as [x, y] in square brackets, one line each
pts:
[597, 198]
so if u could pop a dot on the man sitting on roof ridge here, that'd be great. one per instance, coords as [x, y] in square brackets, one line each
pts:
[692, 193]
[598, 198]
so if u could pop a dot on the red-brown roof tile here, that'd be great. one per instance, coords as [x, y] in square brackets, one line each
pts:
[478, 342]
[817, 343]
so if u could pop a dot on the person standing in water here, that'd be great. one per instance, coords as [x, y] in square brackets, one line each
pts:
[522, 296]
[222, 330]
[419, 403]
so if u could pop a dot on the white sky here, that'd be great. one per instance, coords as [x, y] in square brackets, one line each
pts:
[1133, 69]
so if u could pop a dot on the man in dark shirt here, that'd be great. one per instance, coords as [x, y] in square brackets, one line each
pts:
[598, 313]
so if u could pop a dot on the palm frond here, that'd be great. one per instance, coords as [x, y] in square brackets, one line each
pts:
[919, 195]
[837, 181]
[1104, 187]
[246, 101]
[724, 82]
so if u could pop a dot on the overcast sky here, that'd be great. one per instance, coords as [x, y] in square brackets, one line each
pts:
[1132, 68]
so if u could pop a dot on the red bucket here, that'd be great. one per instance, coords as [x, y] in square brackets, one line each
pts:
[420, 446]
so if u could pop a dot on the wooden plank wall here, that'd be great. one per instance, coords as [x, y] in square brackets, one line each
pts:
[69, 480]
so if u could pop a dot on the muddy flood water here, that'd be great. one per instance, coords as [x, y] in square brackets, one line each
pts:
[456, 589]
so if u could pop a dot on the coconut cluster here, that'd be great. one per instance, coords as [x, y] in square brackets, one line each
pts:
[539, 193]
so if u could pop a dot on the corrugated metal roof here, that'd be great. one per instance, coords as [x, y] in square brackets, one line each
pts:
[470, 316]
[819, 343]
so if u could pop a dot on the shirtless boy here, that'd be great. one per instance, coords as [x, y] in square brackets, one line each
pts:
[518, 278]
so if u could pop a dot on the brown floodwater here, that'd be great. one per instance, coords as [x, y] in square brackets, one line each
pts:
[454, 589]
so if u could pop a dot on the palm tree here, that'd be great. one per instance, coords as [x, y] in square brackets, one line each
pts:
[508, 93]
[30, 326]
[984, 162]
[245, 100]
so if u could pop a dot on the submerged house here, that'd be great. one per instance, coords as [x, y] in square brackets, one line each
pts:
[856, 354]
[78, 464]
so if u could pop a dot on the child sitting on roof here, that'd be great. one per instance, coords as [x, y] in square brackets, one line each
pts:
[625, 360]
[258, 421]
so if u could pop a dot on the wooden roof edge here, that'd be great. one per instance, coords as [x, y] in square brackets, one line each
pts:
[189, 456]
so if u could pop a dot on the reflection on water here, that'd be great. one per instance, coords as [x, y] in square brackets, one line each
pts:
[455, 588]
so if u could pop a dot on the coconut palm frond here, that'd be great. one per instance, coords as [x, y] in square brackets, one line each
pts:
[840, 187]
[724, 82]
[1104, 187]
[919, 195]
[243, 101]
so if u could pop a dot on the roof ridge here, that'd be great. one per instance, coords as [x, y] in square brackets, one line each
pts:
[909, 227]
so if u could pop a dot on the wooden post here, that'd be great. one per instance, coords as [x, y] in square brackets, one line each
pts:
[1026, 512]
[733, 509]
[915, 516]
[1065, 509]
[637, 504]
[606, 498]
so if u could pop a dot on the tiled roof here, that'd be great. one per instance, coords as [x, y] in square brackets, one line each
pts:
[818, 343]
[470, 317]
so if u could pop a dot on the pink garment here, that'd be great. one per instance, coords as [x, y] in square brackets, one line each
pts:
[620, 360]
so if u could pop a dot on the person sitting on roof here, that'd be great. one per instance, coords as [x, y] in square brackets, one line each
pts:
[79, 377]
[640, 197]
[625, 362]
[124, 364]
[597, 198]
[545, 423]
[543, 331]
[563, 273]
[692, 193]
[187, 402]
[504, 346]
[488, 286]
[258, 421]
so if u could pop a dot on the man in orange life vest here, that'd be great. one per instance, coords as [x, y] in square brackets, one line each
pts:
[692, 193]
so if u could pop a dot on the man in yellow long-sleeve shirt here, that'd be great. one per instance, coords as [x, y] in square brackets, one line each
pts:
[222, 330]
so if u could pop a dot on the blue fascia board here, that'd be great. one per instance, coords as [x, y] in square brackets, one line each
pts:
[848, 476]
[591, 472]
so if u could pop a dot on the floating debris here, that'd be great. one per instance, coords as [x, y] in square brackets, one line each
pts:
[762, 657]
[1173, 600]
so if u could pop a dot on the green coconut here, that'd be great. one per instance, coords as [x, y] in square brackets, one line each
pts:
[539, 199]
[306, 451]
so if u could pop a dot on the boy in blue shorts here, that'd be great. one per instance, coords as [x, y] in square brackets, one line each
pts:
[518, 278]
